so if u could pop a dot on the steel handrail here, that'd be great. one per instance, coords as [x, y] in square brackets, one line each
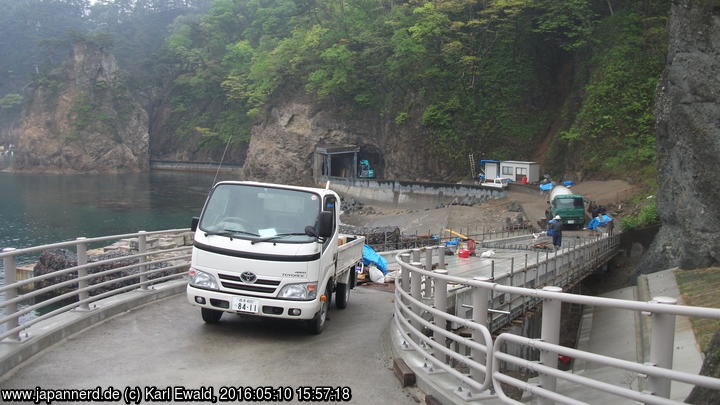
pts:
[61, 272]
[89, 276]
[76, 304]
[34, 249]
[688, 378]
[683, 310]
[580, 380]
[75, 292]
[445, 367]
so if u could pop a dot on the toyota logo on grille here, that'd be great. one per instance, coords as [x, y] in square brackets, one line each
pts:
[248, 277]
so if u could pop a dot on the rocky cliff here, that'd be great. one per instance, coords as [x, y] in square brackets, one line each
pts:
[688, 141]
[284, 139]
[80, 118]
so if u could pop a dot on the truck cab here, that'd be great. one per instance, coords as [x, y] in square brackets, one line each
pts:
[271, 250]
[571, 209]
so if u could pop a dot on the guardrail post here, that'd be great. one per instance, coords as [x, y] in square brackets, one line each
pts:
[480, 316]
[10, 269]
[404, 272]
[661, 346]
[428, 267]
[441, 257]
[415, 255]
[142, 248]
[550, 333]
[441, 305]
[415, 291]
[81, 250]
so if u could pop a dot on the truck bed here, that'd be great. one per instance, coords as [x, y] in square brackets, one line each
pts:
[350, 252]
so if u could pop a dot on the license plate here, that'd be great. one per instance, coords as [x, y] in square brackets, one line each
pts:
[245, 305]
[571, 221]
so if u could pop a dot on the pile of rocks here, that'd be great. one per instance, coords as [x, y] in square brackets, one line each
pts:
[54, 260]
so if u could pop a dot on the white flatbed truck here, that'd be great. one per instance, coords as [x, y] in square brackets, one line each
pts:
[271, 250]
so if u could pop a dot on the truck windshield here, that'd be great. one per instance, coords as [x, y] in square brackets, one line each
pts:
[568, 203]
[255, 212]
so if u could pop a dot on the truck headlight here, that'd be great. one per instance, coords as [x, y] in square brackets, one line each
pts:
[300, 291]
[203, 280]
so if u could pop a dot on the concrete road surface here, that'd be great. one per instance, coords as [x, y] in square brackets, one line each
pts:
[167, 344]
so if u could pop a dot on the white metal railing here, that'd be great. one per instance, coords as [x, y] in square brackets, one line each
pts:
[173, 262]
[418, 286]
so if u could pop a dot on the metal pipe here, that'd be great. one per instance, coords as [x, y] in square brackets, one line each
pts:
[415, 288]
[428, 267]
[441, 257]
[89, 240]
[142, 248]
[550, 332]
[662, 341]
[81, 250]
[404, 272]
[10, 269]
[440, 298]
[479, 316]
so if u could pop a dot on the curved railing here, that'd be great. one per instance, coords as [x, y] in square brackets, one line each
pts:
[148, 266]
[422, 295]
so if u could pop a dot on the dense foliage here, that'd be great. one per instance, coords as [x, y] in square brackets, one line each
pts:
[493, 77]
[474, 75]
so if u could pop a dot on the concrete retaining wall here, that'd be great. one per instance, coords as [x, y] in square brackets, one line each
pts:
[407, 193]
[209, 167]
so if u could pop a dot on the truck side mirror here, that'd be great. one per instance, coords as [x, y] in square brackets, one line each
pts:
[325, 221]
[194, 223]
[310, 231]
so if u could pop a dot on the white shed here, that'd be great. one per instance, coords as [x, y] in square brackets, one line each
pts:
[516, 170]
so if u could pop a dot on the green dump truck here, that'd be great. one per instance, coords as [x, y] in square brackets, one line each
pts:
[570, 206]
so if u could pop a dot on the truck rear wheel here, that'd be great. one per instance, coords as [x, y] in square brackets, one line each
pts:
[210, 315]
[317, 323]
[342, 295]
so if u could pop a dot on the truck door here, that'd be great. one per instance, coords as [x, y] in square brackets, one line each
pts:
[330, 248]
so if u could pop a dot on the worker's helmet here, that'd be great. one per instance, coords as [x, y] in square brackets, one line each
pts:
[557, 217]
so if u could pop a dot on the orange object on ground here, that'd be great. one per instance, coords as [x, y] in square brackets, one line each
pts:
[464, 253]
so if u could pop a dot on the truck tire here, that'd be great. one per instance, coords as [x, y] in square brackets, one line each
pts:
[317, 323]
[210, 315]
[342, 295]
[353, 278]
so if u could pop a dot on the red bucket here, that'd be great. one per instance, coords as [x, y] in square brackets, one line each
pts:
[464, 253]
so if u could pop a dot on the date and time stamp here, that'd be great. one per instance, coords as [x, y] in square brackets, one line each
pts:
[138, 395]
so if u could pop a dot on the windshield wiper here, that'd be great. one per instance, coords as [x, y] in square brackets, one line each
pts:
[229, 233]
[280, 235]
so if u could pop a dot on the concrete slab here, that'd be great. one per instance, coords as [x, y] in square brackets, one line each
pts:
[168, 344]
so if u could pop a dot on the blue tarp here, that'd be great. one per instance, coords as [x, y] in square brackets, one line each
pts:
[371, 256]
[568, 183]
[599, 221]
[546, 187]
[452, 242]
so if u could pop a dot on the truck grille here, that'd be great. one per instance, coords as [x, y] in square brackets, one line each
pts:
[260, 285]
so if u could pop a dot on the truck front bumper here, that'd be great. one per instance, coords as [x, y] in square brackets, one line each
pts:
[269, 307]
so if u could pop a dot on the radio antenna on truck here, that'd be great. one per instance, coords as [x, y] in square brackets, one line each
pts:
[221, 160]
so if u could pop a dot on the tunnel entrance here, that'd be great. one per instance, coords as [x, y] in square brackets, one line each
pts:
[335, 161]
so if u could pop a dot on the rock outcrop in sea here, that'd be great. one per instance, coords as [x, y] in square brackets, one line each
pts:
[81, 118]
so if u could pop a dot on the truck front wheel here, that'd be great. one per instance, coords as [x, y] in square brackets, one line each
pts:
[317, 323]
[210, 315]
